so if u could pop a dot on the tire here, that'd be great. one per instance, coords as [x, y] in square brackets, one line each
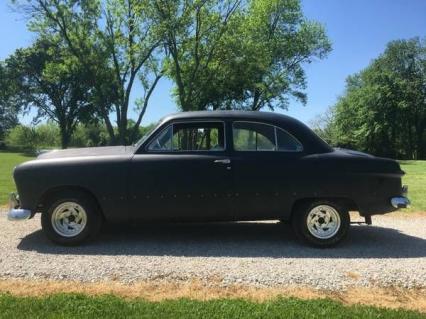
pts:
[321, 223]
[71, 218]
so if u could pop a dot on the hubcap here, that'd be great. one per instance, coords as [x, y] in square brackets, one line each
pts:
[69, 219]
[323, 221]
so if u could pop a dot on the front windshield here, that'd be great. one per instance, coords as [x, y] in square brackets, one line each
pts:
[146, 135]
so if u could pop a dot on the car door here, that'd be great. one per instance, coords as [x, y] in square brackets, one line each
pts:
[265, 165]
[183, 174]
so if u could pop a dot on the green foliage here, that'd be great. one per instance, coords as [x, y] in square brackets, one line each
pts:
[7, 162]
[220, 54]
[383, 110]
[29, 139]
[50, 80]
[115, 41]
[8, 108]
[234, 54]
[81, 306]
[415, 178]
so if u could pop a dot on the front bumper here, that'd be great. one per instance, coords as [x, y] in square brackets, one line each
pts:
[15, 212]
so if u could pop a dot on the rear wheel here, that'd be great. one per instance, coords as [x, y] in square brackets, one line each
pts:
[71, 218]
[321, 223]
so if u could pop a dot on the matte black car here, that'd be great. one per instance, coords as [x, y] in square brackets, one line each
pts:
[209, 166]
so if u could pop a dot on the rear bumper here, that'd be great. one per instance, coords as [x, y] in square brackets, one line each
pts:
[15, 212]
[400, 202]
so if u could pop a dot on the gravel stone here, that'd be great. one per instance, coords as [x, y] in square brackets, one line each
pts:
[392, 252]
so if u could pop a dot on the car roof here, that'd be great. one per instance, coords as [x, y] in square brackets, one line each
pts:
[234, 114]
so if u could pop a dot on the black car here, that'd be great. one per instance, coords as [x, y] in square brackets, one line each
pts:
[209, 166]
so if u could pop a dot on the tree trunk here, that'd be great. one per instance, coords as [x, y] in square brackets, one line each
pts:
[65, 136]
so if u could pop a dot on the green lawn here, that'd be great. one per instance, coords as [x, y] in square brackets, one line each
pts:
[80, 306]
[7, 162]
[415, 178]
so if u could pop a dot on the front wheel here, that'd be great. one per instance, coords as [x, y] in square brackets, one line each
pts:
[321, 223]
[71, 218]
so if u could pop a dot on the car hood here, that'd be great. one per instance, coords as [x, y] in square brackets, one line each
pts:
[88, 151]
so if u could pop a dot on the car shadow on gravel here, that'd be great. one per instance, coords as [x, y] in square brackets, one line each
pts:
[243, 239]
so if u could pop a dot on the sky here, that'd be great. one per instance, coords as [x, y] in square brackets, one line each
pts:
[359, 31]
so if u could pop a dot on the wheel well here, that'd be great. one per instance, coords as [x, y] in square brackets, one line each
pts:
[346, 203]
[61, 189]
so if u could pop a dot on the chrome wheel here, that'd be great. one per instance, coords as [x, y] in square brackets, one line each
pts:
[323, 221]
[69, 219]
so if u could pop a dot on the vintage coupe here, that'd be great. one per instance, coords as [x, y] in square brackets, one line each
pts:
[209, 166]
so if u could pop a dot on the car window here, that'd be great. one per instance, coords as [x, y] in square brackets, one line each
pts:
[196, 136]
[163, 142]
[251, 136]
[286, 142]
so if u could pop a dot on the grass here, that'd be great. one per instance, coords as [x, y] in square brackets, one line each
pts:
[83, 306]
[415, 178]
[7, 162]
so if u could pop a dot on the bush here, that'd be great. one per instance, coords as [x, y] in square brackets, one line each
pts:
[89, 136]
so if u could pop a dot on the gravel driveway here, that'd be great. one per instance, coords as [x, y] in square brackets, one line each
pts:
[392, 252]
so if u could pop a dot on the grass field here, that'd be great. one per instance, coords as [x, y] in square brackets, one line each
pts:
[81, 306]
[415, 178]
[7, 162]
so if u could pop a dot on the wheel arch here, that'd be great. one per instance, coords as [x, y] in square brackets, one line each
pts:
[67, 188]
[344, 202]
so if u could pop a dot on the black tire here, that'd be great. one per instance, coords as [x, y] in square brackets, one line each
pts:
[300, 224]
[93, 218]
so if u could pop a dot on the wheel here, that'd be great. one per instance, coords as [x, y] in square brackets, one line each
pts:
[71, 218]
[321, 223]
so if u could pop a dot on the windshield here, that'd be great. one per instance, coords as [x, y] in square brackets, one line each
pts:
[146, 135]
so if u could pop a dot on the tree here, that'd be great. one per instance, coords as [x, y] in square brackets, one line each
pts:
[383, 109]
[280, 41]
[50, 80]
[235, 54]
[193, 32]
[8, 109]
[115, 40]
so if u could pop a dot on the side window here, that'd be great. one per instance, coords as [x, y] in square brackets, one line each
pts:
[248, 136]
[194, 136]
[253, 137]
[198, 137]
[287, 143]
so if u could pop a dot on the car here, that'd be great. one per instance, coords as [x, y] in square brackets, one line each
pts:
[209, 166]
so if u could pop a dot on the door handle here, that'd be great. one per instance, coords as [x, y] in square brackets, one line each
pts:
[223, 161]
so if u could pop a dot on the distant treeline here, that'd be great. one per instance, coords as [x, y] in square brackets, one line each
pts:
[383, 109]
[30, 139]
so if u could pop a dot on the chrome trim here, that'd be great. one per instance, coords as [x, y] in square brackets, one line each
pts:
[69, 219]
[323, 222]
[223, 161]
[13, 201]
[18, 214]
[400, 202]
[15, 212]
